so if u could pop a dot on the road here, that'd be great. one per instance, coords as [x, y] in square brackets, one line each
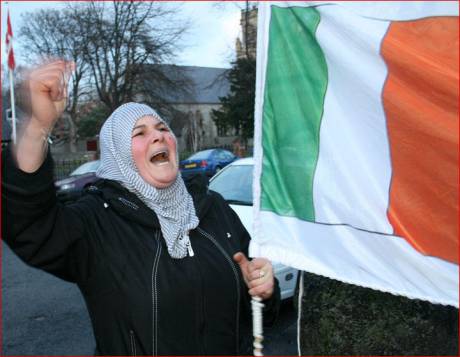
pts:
[281, 339]
[43, 315]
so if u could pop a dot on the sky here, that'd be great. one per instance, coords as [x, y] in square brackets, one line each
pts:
[210, 41]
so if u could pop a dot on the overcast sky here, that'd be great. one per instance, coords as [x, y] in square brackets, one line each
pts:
[210, 42]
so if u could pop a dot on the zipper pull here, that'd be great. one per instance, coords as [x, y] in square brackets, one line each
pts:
[190, 250]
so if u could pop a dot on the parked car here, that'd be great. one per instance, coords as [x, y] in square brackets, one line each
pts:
[70, 188]
[207, 162]
[234, 183]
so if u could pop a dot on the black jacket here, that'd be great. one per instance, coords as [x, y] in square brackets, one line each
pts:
[140, 300]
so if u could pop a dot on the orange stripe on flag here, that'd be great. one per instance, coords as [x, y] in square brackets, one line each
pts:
[421, 105]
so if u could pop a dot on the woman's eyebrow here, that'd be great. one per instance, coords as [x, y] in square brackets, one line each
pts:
[139, 126]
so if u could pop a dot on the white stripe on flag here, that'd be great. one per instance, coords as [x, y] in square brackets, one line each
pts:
[353, 128]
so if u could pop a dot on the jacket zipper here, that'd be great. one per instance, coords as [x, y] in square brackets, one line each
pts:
[154, 296]
[132, 342]
[237, 279]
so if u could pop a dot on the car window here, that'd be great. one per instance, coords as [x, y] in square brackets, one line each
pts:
[200, 155]
[234, 183]
[220, 155]
[228, 155]
[225, 155]
[91, 166]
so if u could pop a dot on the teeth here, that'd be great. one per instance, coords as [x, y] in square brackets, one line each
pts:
[160, 157]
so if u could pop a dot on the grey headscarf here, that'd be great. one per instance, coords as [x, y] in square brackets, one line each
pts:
[173, 205]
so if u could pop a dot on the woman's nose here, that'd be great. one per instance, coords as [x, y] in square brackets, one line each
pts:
[157, 135]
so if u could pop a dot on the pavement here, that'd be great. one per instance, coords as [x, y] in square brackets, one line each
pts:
[42, 315]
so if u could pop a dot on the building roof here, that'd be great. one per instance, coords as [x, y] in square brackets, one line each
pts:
[199, 85]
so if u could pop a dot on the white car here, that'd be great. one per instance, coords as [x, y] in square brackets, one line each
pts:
[234, 183]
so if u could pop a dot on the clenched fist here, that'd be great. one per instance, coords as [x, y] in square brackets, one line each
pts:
[43, 97]
[257, 274]
[44, 92]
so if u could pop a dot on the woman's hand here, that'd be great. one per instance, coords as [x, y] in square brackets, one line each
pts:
[45, 92]
[258, 275]
[43, 97]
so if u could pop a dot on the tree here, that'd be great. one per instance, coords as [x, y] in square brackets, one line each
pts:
[119, 38]
[111, 44]
[193, 130]
[237, 111]
[91, 121]
[54, 33]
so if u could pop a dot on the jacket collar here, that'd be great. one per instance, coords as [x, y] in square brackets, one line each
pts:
[128, 205]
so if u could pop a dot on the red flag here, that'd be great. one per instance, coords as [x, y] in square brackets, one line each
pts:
[9, 44]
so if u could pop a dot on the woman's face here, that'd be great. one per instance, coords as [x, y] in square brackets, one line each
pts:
[154, 152]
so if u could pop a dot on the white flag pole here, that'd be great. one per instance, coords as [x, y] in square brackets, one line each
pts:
[13, 107]
[9, 40]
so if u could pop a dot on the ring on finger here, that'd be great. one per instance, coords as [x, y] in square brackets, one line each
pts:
[261, 273]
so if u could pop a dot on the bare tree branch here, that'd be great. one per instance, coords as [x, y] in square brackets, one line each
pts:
[53, 34]
[120, 37]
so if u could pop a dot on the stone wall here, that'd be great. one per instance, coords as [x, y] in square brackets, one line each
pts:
[201, 115]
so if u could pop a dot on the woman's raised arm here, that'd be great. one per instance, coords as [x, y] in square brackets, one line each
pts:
[44, 94]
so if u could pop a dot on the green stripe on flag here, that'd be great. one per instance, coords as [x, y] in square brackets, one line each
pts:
[296, 81]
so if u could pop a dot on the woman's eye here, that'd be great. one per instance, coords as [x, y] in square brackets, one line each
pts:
[138, 133]
[164, 128]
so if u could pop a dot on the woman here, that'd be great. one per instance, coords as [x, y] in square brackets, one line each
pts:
[162, 266]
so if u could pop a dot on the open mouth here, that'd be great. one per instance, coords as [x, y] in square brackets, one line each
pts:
[160, 157]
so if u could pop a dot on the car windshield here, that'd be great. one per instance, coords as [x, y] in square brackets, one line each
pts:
[91, 166]
[201, 155]
[234, 184]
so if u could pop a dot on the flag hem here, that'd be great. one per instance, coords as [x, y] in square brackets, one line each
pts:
[416, 276]
[286, 257]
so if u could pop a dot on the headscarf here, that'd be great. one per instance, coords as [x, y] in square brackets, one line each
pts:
[173, 205]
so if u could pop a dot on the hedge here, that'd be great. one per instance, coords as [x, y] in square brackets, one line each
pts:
[344, 319]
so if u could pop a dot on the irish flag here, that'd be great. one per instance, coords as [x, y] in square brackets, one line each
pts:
[356, 143]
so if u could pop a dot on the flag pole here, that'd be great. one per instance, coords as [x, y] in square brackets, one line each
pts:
[13, 107]
[11, 65]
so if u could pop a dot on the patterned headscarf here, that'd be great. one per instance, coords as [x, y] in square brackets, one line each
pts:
[173, 205]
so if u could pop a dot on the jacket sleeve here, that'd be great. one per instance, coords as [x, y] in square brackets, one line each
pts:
[271, 305]
[42, 232]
